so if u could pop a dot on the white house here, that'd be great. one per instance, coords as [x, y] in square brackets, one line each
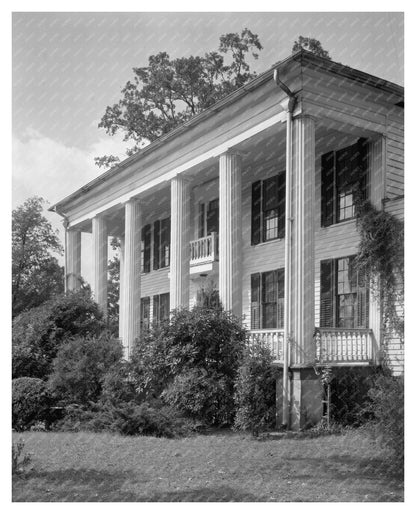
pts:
[256, 195]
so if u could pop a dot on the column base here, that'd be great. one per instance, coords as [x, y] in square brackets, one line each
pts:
[305, 399]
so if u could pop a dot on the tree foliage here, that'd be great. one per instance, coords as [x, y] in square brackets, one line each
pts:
[38, 333]
[31, 401]
[311, 44]
[168, 92]
[36, 273]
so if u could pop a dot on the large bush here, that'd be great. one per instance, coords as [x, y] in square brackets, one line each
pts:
[386, 406]
[80, 367]
[31, 402]
[255, 390]
[38, 333]
[191, 362]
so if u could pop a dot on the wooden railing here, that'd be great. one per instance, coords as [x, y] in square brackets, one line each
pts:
[344, 345]
[204, 249]
[336, 346]
[271, 337]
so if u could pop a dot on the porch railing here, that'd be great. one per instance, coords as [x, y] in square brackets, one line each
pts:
[272, 338]
[344, 345]
[337, 346]
[204, 249]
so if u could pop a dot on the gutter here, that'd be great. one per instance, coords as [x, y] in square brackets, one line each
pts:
[288, 247]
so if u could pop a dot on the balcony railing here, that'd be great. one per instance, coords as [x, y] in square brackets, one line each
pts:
[335, 346]
[270, 337]
[344, 345]
[204, 249]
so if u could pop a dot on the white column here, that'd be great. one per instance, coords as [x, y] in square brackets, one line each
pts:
[121, 290]
[230, 232]
[179, 243]
[302, 283]
[100, 252]
[73, 260]
[130, 305]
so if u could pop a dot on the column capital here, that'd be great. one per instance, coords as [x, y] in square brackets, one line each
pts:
[304, 116]
[181, 177]
[232, 151]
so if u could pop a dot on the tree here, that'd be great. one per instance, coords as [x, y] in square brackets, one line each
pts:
[168, 91]
[36, 273]
[310, 44]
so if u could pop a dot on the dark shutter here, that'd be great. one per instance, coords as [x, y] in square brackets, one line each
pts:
[146, 238]
[327, 307]
[363, 306]
[256, 212]
[164, 306]
[201, 220]
[281, 203]
[270, 200]
[165, 242]
[213, 216]
[156, 309]
[269, 299]
[145, 313]
[255, 301]
[156, 245]
[362, 150]
[327, 189]
[280, 297]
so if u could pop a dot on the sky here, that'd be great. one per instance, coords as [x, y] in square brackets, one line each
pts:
[68, 66]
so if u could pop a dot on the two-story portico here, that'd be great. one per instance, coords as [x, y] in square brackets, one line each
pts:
[256, 195]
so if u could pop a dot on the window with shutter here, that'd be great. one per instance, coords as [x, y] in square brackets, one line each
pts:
[213, 216]
[161, 307]
[156, 244]
[267, 299]
[268, 209]
[344, 294]
[161, 243]
[344, 176]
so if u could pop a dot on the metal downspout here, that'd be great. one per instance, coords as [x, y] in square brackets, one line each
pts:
[288, 253]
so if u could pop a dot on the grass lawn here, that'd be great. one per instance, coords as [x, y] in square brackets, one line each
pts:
[222, 467]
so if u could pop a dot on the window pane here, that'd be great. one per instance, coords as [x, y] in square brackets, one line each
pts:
[271, 225]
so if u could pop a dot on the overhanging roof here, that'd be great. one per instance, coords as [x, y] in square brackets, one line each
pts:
[303, 57]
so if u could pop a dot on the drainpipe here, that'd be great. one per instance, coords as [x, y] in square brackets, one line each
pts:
[288, 253]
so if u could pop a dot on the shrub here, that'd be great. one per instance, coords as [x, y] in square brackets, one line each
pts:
[127, 418]
[19, 459]
[255, 390]
[203, 396]
[80, 367]
[38, 333]
[386, 405]
[191, 362]
[31, 401]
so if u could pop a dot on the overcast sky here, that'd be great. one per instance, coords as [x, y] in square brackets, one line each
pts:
[67, 67]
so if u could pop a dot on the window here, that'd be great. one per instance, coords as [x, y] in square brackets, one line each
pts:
[268, 209]
[208, 221]
[267, 299]
[344, 175]
[145, 313]
[161, 304]
[161, 243]
[145, 252]
[344, 294]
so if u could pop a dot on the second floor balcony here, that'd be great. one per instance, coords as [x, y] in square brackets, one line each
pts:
[204, 253]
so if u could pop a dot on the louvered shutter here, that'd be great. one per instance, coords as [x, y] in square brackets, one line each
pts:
[281, 203]
[156, 309]
[327, 189]
[165, 242]
[327, 303]
[363, 179]
[280, 297]
[201, 220]
[146, 238]
[256, 212]
[255, 301]
[213, 216]
[156, 244]
[363, 306]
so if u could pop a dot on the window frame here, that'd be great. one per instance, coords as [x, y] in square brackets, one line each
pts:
[261, 302]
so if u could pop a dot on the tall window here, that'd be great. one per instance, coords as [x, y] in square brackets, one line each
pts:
[145, 313]
[267, 299]
[146, 244]
[344, 294]
[268, 209]
[344, 176]
[208, 218]
[161, 243]
[161, 307]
